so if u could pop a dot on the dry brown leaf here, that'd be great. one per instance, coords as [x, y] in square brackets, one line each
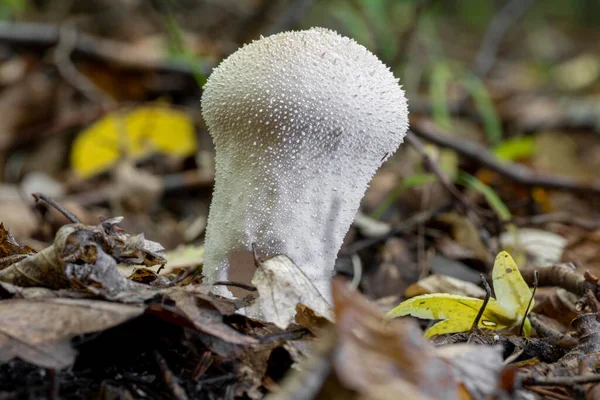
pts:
[282, 286]
[444, 284]
[206, 318]
[79, 258]
[396, 270]
[476, 367]
[10, 250]
[371, 355]
[39, 331]
[465, 233]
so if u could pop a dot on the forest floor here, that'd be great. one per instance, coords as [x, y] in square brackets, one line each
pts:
[107, 172]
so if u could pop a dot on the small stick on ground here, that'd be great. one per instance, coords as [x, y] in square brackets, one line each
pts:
[469, 208]
[536, 279]
[69, 215]
[592, 301]
[488, 51]
[407, 35]
[409, 223]
[520, 174]
[240, 285]
[562, 380]
[546, 332]
[563, 276]
[290, 334]
[488, 295]
[169, 379]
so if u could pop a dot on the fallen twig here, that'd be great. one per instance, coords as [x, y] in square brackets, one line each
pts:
[407, 35]
[488, 295]
[289, 334]
[169, 379]
[403, 227]
[561, 380]
[68, 214]
[240, 285]
[589, 224]
[536, 280]
[545, 331]
[270, 18]
[561, 275]
[62, 58]
[522, 175]
[115, 53]
[447, 183]
[488, 51]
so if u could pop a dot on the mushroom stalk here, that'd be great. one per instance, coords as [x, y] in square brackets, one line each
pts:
[301, 121]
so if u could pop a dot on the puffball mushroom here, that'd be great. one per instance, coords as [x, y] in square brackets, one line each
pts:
[301, 121]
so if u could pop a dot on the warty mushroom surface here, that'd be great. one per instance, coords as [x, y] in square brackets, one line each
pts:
[301, 121]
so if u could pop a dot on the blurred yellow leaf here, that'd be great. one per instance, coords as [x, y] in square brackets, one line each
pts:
[134, 134]
[457, 313]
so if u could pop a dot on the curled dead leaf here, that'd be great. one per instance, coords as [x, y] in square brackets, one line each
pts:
[39, 331]
[281, 287]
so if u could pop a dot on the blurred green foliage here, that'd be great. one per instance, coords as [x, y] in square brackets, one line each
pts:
[11, 8]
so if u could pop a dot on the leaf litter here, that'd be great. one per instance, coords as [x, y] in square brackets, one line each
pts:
[159, 332]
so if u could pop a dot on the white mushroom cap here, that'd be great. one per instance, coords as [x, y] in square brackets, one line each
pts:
[301, 121]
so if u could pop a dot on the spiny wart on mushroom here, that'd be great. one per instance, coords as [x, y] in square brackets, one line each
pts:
[301, 121]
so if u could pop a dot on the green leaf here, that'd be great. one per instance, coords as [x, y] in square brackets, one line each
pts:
[485, 107]
[516, 148]
[417, 179]
[468, 180]
[441, 76]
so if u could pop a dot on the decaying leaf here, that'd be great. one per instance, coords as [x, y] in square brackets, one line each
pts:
[444, 284]
[371, 355]
[281, 287]
[39, 331]
[86, 255]
[9, 246]
[205, 317]
[541, 247]
[477, 370]
[10, 250]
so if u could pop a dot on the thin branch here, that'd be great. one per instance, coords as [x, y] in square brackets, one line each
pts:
[545, 331]
[68, 214]
[589, 224]
[427, 130]
[369, 24]
[62, 59]
[468, 207]
[536, 280]
[488, 51]
[114, 53]
[271, 17]
[562, 276]
[291, 16]
[240, 285]
[488, 295]
[562, 380]
[402, 228]
[290, 334]
[177, 391]
[407, 35]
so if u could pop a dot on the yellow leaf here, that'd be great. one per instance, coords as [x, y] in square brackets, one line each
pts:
[134, 134]
[457, 313]
[512, 293]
